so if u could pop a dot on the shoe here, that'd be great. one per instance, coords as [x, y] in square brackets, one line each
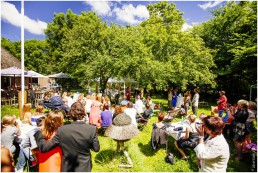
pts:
[185, 158]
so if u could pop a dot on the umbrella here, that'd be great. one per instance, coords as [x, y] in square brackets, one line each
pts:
[34, 74]
[59, 75]
[11, 71]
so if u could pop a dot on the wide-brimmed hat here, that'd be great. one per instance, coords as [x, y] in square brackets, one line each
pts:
[122, 128]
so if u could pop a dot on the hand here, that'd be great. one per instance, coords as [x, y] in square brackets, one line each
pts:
[200, 131]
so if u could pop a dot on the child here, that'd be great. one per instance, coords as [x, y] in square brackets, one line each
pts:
[37, 114]
[9, 131]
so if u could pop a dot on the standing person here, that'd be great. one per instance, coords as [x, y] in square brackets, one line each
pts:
[170, 95]
[187, 101]
[195, 101]
[51, 161]
[139, 105]
[142, 94]
[239, 126]
[75, 139]
[94, 118]
[222, 103]
[174, 98]
[213, 153]
[127, 94]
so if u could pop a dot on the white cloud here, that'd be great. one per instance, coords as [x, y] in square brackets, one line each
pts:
[132, 15]
[209, 4]
[102, 8]
[11, 15]
[186, 26]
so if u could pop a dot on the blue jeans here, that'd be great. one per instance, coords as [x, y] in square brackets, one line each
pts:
[24, 155]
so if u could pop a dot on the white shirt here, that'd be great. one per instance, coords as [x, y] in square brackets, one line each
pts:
[70, 101]
[195, 100]
[88, 105]
[131, 112]
[213, 154]
[139, 106]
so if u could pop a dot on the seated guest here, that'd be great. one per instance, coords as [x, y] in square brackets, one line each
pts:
[88, 104]
[131, 112]
[75, 139]
[190, 140]
[26, 113]
[7, 162]
[159, 135]
[146, 114]
[9, 131]
[214, 152]
[106, 116]
[29, 144]
[118, 110]
[37, 114]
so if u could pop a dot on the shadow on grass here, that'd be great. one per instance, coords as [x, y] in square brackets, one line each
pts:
[105, 156]
[147, 149]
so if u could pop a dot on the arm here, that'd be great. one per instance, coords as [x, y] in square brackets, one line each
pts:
[44, 145]
[95, 143]
[186, 133]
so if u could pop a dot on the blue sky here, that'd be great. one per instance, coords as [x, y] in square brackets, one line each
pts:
[39, 13]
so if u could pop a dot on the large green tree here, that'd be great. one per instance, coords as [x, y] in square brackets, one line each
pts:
[232, 34]
[181, 58]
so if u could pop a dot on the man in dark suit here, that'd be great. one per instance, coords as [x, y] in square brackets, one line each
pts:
[75, 139]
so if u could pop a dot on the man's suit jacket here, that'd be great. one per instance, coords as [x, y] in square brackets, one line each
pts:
[76, 140]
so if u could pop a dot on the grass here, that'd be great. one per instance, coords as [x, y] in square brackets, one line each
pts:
[142, 154]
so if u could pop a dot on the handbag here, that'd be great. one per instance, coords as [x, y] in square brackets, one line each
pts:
[170, 159]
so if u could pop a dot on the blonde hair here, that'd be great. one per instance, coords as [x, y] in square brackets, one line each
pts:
[53, 120]
[26, 107]
[8, 120]
[192, 118]
[64, 94]
[243, 103]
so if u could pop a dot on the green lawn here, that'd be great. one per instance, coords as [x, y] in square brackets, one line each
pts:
[142, 155]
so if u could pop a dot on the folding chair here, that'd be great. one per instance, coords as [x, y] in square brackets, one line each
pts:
[32, 162]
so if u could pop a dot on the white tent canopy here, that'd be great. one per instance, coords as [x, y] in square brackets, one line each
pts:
[59, 75]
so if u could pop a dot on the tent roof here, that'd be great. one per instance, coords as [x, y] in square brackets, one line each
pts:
[59, 75]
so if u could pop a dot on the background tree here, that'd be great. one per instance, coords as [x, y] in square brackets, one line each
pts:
[232, 34]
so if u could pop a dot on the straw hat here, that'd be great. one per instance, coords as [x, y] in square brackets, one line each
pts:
[122, 128]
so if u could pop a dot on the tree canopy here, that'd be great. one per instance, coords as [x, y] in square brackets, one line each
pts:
[157, 53]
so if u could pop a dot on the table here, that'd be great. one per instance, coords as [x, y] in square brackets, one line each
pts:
[176, 134]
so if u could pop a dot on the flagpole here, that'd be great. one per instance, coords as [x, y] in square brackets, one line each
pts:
[22, 52]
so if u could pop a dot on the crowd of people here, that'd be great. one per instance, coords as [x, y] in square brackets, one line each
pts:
[57, 147]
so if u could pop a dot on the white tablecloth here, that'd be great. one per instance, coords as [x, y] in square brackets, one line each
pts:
[175, 134]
